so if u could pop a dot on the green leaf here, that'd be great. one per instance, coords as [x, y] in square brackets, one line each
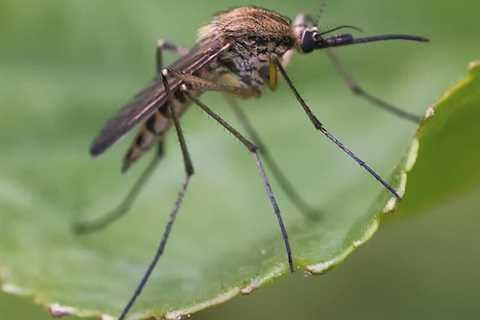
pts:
[446, 165]
[226, 241]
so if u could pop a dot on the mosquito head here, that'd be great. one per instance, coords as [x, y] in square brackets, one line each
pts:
[310, 38]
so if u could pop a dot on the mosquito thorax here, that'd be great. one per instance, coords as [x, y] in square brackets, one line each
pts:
[245, 24]
[257, 36]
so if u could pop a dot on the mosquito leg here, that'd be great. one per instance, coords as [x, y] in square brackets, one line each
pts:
[197, 83]
[167, 46]
[189, 171]
[126, 204]
[278, 174]
[359, 91]
[319, 126]
[255, 151]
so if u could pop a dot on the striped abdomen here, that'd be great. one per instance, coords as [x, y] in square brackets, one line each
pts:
[153, 130]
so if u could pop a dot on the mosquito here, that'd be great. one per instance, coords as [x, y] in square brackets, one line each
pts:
[239, 52]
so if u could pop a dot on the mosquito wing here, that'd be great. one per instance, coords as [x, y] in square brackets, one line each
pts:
[149, 99]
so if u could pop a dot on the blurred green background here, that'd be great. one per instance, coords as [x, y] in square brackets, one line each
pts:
[421, 267]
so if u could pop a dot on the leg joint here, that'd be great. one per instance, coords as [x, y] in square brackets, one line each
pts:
[316, 123]
[166, 45]
[357, 90]
[161, 43]
[164, 72]
[190, 171]
[253, 148]
[261, 148]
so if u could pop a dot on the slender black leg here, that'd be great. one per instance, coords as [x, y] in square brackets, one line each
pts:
[319, 126]
[113, 215]
[359, 91]
[278, 174]
[189, 171]
[255, 151]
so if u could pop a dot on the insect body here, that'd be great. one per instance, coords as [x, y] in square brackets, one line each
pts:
[239, 53]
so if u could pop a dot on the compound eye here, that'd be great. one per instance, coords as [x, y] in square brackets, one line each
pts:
[308, 41]
[317, 37]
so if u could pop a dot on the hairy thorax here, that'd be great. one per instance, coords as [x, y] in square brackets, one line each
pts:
[248, 62]
[258, 36]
